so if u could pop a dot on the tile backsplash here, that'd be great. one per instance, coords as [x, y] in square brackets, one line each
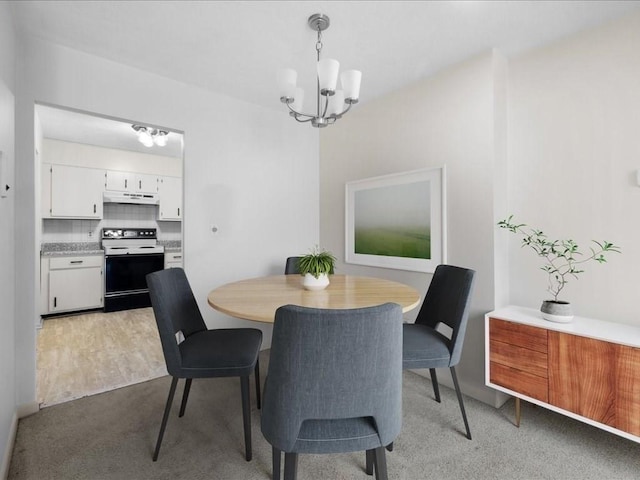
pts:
[56, 230]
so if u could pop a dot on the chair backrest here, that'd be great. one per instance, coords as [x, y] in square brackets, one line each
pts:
[291, 267]
[333, 364]
[176, 310]
[447, 301]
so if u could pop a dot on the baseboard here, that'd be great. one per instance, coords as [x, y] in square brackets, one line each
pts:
[11, 440]
[27, 409]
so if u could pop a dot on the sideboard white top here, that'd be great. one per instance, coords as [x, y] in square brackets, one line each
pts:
[585, 327]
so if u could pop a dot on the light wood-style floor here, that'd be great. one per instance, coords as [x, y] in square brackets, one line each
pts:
[82, 355]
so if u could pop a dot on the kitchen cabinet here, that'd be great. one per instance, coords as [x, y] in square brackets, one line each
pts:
[117, 181]
[73, 192]
[173, 259]
[70, 283]
[170, 193]
[588, 369]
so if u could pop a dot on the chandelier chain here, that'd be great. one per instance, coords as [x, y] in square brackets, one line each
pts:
[319, 42]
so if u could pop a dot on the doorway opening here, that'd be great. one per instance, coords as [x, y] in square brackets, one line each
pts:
[88, 160]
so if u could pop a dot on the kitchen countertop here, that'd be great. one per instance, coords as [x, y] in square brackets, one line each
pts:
[171, 245]
[70, 248]
[93, 248]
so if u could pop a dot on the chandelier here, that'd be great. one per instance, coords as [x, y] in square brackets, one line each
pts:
[331, 104]
[151, 136]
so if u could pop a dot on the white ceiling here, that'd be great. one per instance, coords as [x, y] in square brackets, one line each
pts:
[236, 47]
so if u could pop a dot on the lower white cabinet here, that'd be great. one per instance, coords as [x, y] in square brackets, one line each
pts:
[72, 283]
[172, 259]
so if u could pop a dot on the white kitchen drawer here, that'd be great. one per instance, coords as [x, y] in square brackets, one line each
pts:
[80, 261]
[172, 259]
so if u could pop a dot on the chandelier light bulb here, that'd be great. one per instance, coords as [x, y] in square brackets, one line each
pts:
[328, 75]
[298, 99]
[287, 79]
[160, 138]
[351, 84]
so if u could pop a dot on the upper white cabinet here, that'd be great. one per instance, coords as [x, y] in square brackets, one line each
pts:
[75, 192]
[131, 182]
[170, 192]
[145, 183]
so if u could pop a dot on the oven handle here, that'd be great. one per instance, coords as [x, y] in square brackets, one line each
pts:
[134, 255]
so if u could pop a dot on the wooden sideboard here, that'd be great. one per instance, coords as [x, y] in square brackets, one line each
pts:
[587, 369]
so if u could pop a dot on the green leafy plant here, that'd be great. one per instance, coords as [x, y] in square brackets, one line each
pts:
[562, 258]
[317, 262]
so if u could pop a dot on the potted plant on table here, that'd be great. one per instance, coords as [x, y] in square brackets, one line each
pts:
[316, 268]
[562, 260]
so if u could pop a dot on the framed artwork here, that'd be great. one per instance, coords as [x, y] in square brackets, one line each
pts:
[397, 221]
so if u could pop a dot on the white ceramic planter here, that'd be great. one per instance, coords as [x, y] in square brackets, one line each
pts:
[310, 282]
[559, 312]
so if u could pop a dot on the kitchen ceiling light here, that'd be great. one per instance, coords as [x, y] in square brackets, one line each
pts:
[151, 136]
[331, 103]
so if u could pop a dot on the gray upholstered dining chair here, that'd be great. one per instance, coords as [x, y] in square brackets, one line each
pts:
[200, 353]
[291, 267]
[424, 346]
[334, 384]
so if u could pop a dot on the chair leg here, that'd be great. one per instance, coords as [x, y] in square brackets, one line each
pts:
[185, 396]
[390, 447]
[380, 460]
[276, 455]
[167, 409]
[434, 382]
[246, 416]
[290, 466]
[257, 375]
[459, 394]
[370, 455]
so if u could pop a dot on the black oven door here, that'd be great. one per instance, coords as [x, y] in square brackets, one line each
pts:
[125, 282]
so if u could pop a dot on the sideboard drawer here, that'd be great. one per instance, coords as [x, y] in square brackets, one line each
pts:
[525, 336]
[520, 381]
[530, 361]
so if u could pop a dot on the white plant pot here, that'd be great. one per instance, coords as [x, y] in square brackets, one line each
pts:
[559, 312]
[312, 283]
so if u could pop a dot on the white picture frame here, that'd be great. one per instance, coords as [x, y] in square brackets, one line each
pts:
[397, 221]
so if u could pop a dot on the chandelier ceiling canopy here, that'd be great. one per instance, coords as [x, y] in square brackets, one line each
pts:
[331, 104]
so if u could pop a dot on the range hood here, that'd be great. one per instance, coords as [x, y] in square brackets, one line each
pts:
[126, 197]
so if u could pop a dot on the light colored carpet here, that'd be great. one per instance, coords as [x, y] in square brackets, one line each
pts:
[112, 436]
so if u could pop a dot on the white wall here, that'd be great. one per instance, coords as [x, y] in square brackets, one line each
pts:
[250, 170]
[447, 119]
[574, 119]
[8, 419]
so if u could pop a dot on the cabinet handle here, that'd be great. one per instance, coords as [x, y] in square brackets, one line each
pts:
[139, 184]
[94, 208]
[125, 183]
[177, 256]
[178, 211]
[76, 261]
[55, 302]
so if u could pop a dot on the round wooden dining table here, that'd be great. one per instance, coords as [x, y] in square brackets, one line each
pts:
[259, 298]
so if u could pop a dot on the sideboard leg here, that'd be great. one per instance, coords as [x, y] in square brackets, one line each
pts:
[517, 412]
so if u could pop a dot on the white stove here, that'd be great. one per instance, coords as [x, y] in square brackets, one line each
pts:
[130, 254]
[130, 241]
